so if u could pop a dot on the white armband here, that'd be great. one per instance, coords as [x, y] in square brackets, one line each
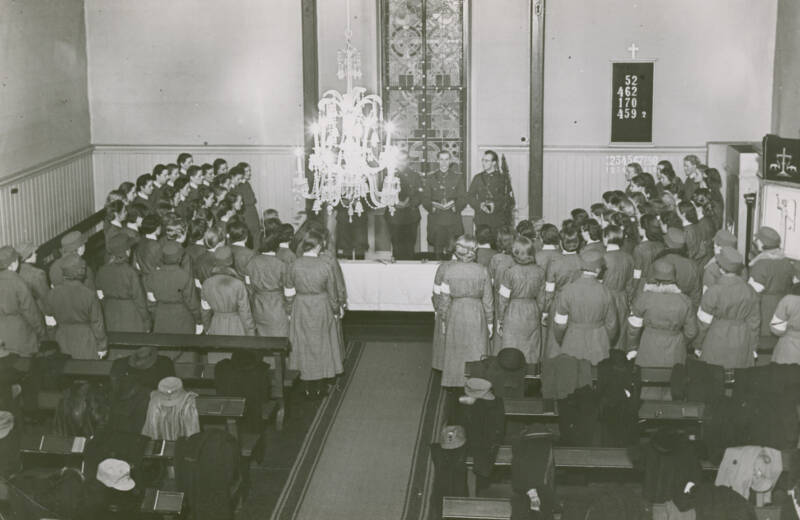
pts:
[504, 291]
[755, 285]
[197, 283]
[100, 294]
[247, 279]
[795, 279]
[550, 286]
[50, 321]
[705, 288]
[561, 319]
[151, 297]
[635, 321]
[637, 274]
[445, 288]
[437, 289]
[778, 324]
[204, 305]
[704, 316]
[289, 291]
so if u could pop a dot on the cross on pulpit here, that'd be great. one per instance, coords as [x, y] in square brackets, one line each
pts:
[633, 49]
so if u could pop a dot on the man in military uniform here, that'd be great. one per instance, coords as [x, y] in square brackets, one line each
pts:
[445, 197]
[490, 195]
[404, 223]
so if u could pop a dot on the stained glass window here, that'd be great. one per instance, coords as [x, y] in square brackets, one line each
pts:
[424, 88]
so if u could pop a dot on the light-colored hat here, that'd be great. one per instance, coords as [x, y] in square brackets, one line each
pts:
[452, 437]
[725, 238]
[478, 388]
[116, 474]
[170, 385]
[730, 260]
[72, 241]
[6, 423]
[768, 236]
[25, 250]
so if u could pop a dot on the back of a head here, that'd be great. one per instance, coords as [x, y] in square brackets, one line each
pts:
[214, 236]
[237, 231]
[504, 240]
[550, 235]
[465, 248]
[613, 235]
[523, 250]
[570, 239]
[483, 234]
[593, 229]
[150, 224]
[313, 239]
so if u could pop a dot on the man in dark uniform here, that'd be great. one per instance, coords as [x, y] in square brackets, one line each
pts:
[490, 195]
[351, 233]
[404, 223]
[444, 196]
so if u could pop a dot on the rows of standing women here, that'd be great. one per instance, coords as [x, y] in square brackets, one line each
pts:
[186, 253]
[650, 270]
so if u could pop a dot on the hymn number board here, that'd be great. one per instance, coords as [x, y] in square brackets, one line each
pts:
[632, 102]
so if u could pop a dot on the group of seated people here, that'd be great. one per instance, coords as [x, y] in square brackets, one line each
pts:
[647, 278]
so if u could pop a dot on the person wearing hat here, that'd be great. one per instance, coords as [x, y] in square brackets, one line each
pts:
[35, 278]
[561, 271]
[73, 244]
[439, 328]
[482, 414]
[75, 311]
[310, 288]
[520, 300]
[119, 288]
[172, 296]
[785, 324]
[662, 321]
[224, 302]
[585, 320]
[21, 322]
[467, 309]
[687, 273]
[147, 254]
[146, 366]
[618, 276]
[771, 276]
[711, 273]
[449, 456]
[172, 412]
[729, 317]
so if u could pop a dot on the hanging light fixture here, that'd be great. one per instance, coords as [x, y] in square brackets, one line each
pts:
[353, 161]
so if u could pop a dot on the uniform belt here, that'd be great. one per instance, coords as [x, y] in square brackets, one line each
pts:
[167, 302]
[216, 313]
[586, 325]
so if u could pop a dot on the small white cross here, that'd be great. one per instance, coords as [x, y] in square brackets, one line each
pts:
[633, 49]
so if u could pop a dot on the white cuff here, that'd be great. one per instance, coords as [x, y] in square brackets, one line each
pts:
[705, 288]
[504, 291]
[795, 279]
[445, 288]
[755, 285]
[704, 316]
[289, 291]
[637, 274]
[204, 305]
[778, 324]
[247, 279]
[100, 294]
[151, 297]
[197, 283]
[437, 289]
[50, 321]
[630, 355]
[561, 319]
[198, 329]
[635, 321]
[550, 286]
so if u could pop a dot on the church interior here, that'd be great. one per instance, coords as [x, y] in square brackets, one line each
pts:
[399, 259]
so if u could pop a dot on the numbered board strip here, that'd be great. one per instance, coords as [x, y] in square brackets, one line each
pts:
[632, 102]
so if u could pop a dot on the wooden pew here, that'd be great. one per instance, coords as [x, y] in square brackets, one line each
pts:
[458, 508]
[162, 502]
[650, 410]
[772, 512]
[52, 444]
[273, 346]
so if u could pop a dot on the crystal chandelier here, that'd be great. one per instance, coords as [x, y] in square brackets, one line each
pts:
[352, 146]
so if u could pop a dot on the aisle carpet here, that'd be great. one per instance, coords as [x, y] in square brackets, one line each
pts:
[363, 463]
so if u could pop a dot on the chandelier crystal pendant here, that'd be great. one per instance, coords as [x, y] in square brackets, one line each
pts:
[353, 161]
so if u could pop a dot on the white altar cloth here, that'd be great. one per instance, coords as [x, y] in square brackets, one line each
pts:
[399, 286]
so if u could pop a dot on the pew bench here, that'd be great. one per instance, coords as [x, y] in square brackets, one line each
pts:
[534, 407]
[162, 502]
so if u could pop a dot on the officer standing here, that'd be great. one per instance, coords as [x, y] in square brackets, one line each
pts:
[404, 223]
[445, 197]
[490, 195]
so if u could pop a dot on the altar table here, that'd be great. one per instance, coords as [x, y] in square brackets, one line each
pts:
[385, 286]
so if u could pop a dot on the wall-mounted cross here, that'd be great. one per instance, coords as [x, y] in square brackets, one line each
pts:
[633, 49]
